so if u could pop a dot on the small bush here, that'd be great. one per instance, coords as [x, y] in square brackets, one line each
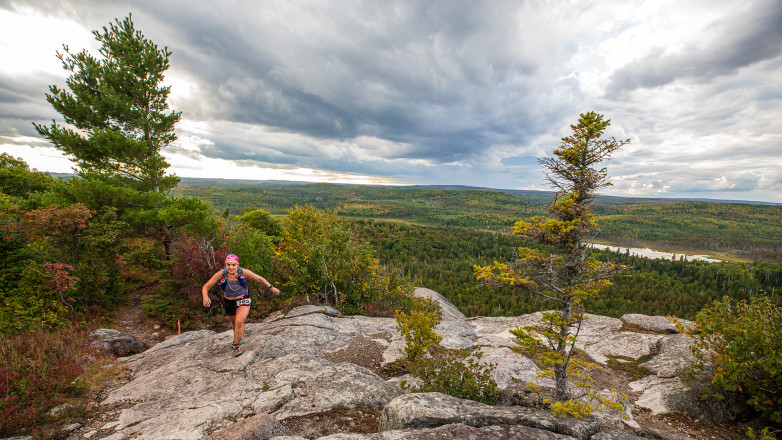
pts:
[417, 328]
[742, 344]
[320, 258]
[764, 434]
[458, 373]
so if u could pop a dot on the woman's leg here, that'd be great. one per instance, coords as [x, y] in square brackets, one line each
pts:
[238, 323]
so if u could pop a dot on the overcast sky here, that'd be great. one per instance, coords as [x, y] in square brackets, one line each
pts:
[435, 92]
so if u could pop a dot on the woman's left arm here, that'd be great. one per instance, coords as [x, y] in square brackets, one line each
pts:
[255, 277]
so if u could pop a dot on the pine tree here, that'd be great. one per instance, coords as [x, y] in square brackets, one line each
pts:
[117, 121]
[115, 110]
[566, 277]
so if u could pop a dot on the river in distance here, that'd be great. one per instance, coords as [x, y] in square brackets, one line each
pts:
[651, 253]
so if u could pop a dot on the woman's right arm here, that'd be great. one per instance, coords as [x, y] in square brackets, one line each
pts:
[209, 284]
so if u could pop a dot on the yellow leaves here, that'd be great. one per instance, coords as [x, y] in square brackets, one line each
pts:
[500, 274]
[542, 374]
[418, 329]
[573, 408]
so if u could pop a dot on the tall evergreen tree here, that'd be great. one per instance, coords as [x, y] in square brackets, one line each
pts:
[117, 121]
[566, 277]
[116, 110]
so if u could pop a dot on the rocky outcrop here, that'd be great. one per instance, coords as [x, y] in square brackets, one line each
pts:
[303, 363]
[627, 344]
[455, 431]
[191, 385]
[115, 343]
[450, 311]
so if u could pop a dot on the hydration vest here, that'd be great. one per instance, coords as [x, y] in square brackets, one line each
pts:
[240, 276]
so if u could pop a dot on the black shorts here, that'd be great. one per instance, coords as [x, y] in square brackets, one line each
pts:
[230, 305]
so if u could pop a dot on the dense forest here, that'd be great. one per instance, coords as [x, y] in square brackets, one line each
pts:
[435, 236]
[442, 259]
[740, 232]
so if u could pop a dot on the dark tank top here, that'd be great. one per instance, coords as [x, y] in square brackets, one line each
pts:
[234, 290]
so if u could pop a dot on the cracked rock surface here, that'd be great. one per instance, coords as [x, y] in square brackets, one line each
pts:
[314, 360]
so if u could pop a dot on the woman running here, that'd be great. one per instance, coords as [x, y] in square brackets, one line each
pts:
[236, 296]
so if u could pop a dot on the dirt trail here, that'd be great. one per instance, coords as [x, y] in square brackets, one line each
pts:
[131, 320]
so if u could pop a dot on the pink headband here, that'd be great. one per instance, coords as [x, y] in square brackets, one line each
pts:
[232, 257]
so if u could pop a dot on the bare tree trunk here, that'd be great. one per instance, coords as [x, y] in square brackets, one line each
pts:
[560, 370]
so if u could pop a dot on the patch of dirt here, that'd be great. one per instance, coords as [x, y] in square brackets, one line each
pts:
[363, 352]
[131, 320]
[689, 426]
[610, 379]
[361, 420]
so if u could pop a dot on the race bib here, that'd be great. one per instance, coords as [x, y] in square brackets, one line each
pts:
[243, 302]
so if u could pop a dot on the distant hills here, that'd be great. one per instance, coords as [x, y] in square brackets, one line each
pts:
[200, 181]
[197, 181]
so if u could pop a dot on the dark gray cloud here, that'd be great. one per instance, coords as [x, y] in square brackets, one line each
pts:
[429, 75]
[456, 92]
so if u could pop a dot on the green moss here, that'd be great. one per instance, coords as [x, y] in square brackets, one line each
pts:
[629, 365]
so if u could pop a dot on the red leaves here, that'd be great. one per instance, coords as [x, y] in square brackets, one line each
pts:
[61, 275]
[54, 222]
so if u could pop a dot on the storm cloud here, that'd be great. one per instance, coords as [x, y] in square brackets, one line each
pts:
[449, 92]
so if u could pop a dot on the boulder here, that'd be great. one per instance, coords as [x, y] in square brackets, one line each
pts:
[616, 435]
[258, 427]
[629, 344]
[495, 331]
[511, 367]
[652, 433]
[653, 391]
[428, 410]
[659, 324]
[673, 355]
[671, 395]
[456, 334]
[595, 328]
[57, 410]
[115, 343]
[458, 431]
[450, 311]
[311, 309]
